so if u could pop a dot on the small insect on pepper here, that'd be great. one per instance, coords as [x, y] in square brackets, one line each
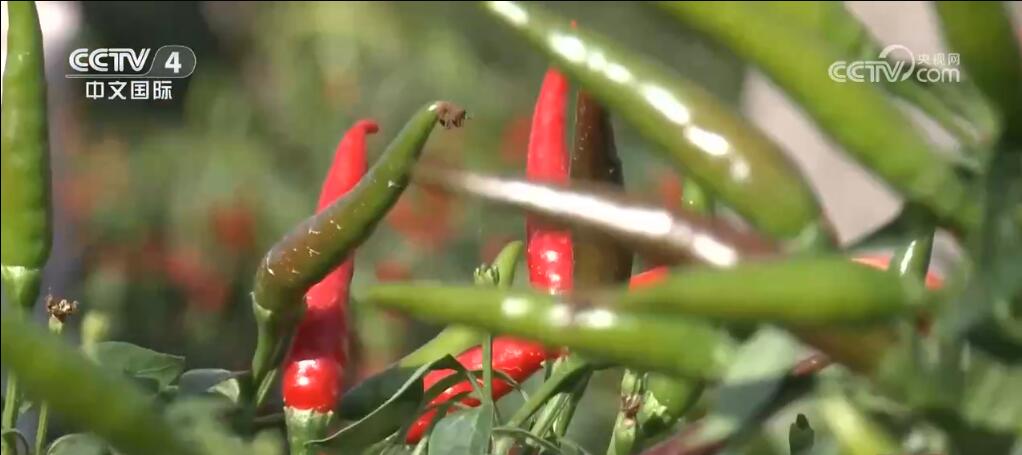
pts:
[314, 367]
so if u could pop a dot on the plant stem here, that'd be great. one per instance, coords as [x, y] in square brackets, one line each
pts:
[10, 416]
[56, 327]
[572, 367]
[487, 368]
[564, 419]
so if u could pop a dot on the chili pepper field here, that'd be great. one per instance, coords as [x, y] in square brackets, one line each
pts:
[480, 228]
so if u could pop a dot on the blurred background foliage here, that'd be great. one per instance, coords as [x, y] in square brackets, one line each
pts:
[173, 203]
[166, 207]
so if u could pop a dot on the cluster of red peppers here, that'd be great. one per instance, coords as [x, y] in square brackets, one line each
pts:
[549, 257]
[314, 367]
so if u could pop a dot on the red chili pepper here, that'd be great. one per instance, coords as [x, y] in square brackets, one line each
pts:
[313, 369]
[516, 358]
[651, 276]
[549, 251]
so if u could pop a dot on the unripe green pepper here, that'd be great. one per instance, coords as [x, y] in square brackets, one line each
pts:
[317, 245]
[25, 166]
[858, 116]
[675, 345]
[25, 226]
[990, 51]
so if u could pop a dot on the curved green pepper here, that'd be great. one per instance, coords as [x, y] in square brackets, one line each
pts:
[857, 115]
[982, 33]
[83, 394]
[838, 291]
[307, 253]
[673, 345]
[693, 129]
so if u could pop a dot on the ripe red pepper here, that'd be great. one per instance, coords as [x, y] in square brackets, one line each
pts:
[549, 251]
[516, 358]
[313, 369]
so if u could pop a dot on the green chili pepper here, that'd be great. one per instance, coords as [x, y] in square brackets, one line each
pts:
[25, 154]
[673, 345]
[953, 104]
[83, 394]
[25, 228]
[455, 339]
[857, 115]
[839, 292]
[314, 247]
[735, 160]
[982, 33]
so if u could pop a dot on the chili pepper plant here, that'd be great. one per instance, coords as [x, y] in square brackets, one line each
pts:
[744, 304]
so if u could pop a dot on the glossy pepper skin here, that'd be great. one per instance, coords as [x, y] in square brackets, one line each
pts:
[314, 368]
[25, 227]
[690, 126]
[314, 248]
[25, 224]
[549, 250]
[516, 358]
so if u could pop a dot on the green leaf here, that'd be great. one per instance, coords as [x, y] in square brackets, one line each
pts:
[386, 418]
[203, 420]
[211, 380]
[84, 394]
[466, 432]
[800, 436]
[754, 379]
[78, 444]
[988, 312]
[140, 363]
[519, 434]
